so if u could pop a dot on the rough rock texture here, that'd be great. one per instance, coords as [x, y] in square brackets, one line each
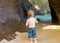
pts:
[55, 8]
[11, 18]
[8, 10]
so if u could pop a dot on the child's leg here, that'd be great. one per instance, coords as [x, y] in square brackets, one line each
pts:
[31, 39]
[34, 35]
[35, 41]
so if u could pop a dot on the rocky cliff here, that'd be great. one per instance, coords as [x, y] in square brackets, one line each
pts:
[11, 18]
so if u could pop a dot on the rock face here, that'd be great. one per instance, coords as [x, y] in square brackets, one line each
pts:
[11, 18]
[8, 10]
[55, 9]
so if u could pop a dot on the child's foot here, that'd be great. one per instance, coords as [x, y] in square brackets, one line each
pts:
[35, 41]
[31, 41]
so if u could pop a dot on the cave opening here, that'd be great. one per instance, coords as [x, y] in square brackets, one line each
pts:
[54, 18]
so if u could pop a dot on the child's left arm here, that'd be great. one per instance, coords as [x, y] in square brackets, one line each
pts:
[36, 21]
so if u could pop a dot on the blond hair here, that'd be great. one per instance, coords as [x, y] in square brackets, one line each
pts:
[30, 13]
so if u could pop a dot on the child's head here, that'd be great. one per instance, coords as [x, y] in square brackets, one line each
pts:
[30, 13]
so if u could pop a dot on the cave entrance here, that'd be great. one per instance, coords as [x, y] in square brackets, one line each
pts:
[42, 10]
[46, 12]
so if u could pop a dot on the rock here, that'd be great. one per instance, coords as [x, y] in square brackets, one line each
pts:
[11, 15]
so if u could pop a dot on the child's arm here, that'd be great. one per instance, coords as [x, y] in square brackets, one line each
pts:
[36, 21]
[27, 23]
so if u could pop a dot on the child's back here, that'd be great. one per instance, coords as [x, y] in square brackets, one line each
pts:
[31, 21]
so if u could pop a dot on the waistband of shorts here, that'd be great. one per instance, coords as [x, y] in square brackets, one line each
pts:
[31, 27]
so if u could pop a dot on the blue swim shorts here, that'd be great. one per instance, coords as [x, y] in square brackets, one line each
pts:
[32, 33]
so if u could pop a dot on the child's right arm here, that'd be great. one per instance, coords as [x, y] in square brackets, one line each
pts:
[27, 24]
